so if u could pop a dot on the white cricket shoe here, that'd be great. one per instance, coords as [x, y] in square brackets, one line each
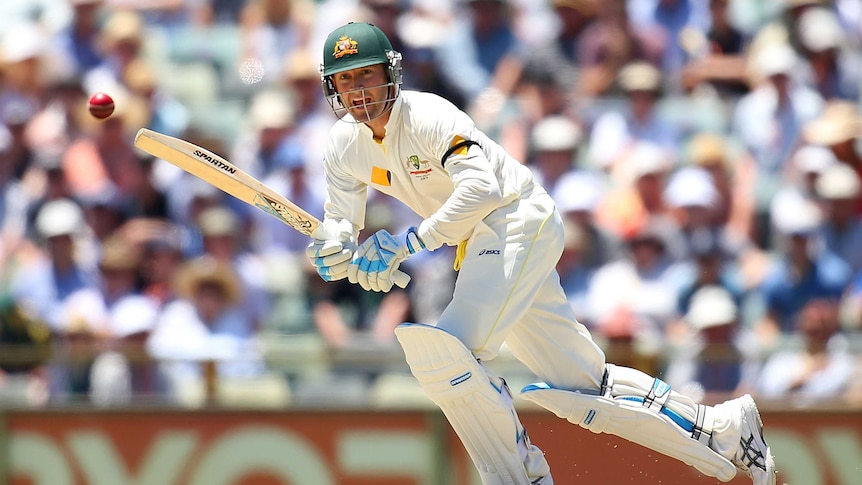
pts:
[543, 481]
[753, 456]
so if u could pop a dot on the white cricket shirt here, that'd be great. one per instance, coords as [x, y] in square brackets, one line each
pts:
[451, 196]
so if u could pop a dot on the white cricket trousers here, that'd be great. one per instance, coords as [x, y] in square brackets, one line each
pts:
[508, 290]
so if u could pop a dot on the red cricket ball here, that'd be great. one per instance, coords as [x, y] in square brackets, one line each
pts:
[101, 105]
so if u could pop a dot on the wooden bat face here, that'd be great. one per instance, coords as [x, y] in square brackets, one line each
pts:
[214, 169]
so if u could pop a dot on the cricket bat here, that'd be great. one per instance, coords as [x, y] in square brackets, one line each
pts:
[214, 169]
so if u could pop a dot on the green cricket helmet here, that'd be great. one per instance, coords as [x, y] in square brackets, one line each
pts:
[355, 45]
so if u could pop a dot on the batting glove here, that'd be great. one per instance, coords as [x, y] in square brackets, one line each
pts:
[375, 264]
[332, 249]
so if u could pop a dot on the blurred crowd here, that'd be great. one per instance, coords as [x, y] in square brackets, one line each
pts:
[705, 154]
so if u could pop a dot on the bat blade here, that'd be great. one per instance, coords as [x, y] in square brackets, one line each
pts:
[214, 169]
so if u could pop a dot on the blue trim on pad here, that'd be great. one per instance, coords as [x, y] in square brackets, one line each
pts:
[676, 418]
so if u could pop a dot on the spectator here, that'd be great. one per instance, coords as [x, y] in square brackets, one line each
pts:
[574, 16]
[733, 176]
[344, 313]
[555, 140]
[121, 41]
[312, 118]
[769, 120]
[166, 113]
[809, 162]
[48, 168]
[43, 285]
[712, 266]
[615, 132]
[420, 29]
[717, 57]
[270, 29]
[162, 254]
[633, 299]
[225, 239]
[477, 46]
[79, 42]
[663, 26]
[105, 159]
[22, 61]
[609, 43]
[834, 70]
[802, 272]
[636, 198]
[105, 212]
[575, 274]
[262, 147]
[818, 371]
[26, 343]
[577, 194]
[204, 332]
[723, 37]
[113, 317]
[841, 231]
[838, 128]
[290, 178]
[540, 92]
[18, 152]
[707, 356]
[693, 197]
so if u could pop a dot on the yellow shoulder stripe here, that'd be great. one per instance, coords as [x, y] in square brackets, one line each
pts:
[461, 150]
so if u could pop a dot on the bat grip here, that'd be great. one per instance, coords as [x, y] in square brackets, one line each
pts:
[401, 279]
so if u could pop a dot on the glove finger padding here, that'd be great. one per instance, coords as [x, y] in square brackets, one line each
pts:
[375, 260]
[335, 272]
[334, 266]
[322, 248]
[365, 261]
[344, 255]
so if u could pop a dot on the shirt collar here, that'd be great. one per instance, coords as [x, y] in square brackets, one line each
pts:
[392, 123]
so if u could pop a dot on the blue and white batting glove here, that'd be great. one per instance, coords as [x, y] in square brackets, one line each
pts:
[375, 264]
[332, 249]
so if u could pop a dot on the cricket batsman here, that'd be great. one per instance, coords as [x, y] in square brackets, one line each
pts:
[425, 152]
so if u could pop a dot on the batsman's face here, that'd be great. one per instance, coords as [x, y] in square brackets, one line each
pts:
[364, 91]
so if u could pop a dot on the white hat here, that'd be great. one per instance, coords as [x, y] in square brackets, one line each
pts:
[711, 306]
[133, 315]
[578, 191]
[640, 76]
[813, 159]
[58, 218]
[271, 109]
[691, 187]
[819, 30]
[21, 42]
[792, 213]
[775, 59]
[556, 133]
[839, 181]
[648, 158]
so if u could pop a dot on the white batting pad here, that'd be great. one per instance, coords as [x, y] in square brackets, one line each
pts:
[477, 404]
[641, 412]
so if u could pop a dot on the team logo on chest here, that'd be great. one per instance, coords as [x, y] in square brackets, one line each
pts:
[421, 169]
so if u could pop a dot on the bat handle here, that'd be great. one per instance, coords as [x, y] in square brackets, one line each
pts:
[401, 279]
